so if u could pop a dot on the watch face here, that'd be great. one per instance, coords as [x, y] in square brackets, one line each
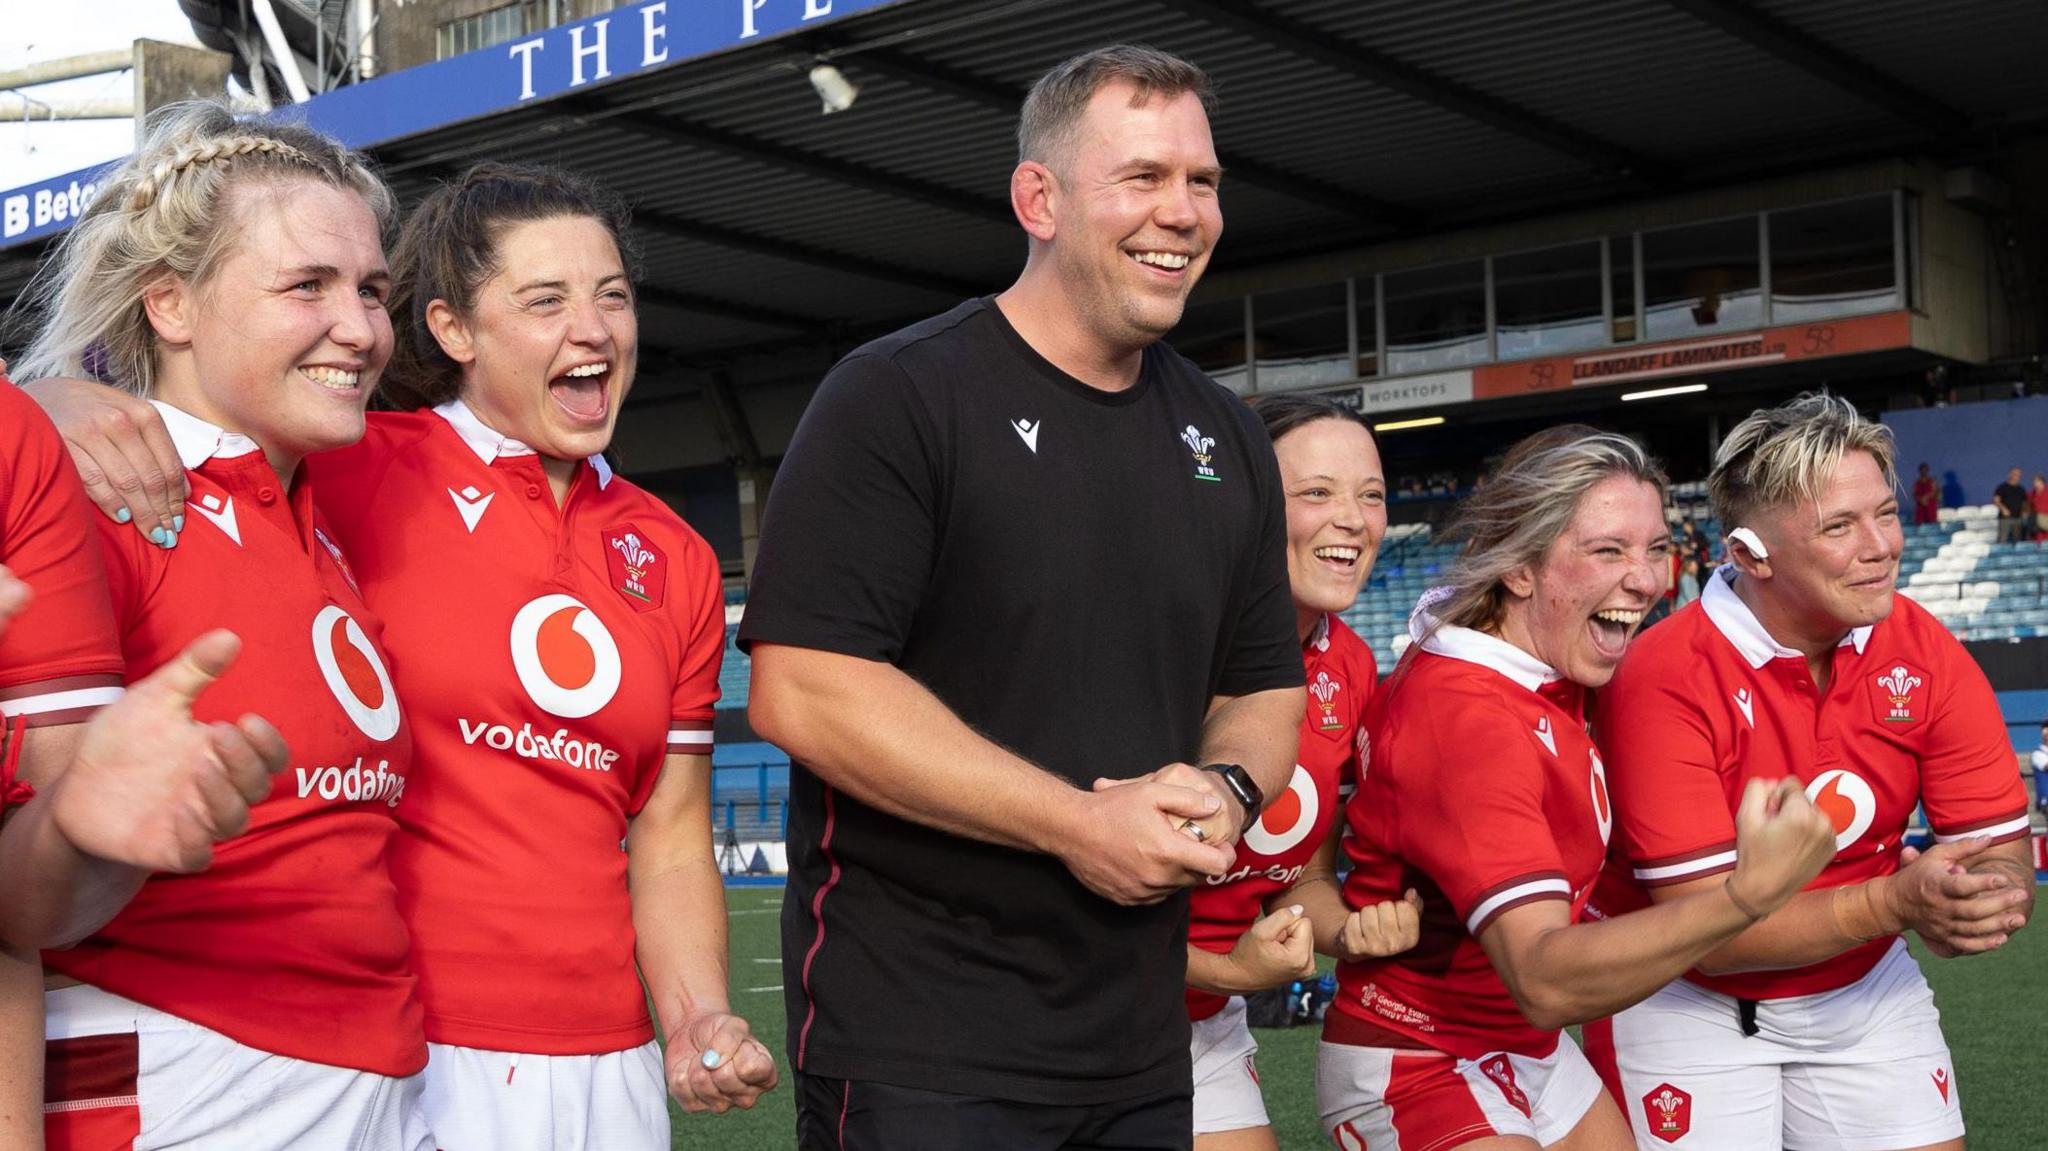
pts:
[1240, 783]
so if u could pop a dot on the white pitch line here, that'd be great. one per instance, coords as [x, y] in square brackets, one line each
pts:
[777, 959]
[776, 987]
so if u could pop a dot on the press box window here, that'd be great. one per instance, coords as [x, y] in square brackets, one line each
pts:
[1302, 337]
[1548, 302]
[1436, 318]
[1702, 280]
[497, 26]
[1833, 260]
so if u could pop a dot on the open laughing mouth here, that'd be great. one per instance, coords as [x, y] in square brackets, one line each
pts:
[1612, 628]
[1339, 556]
[584, 391]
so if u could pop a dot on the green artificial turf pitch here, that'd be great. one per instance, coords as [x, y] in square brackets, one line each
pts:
[1994, 1009]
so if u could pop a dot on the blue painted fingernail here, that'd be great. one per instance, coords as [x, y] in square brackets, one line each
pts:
[711, 1060]
[178, 522]
[123, 516]
[174, 540]
[156, 536]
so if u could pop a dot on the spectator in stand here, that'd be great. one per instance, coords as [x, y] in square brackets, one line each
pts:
[1926, 497]
[2040, 765]
[1688, 543]
[1688, 581]
[2037, 508]
[2012, 503]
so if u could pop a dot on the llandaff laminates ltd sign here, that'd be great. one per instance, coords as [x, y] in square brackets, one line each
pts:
[632, 39]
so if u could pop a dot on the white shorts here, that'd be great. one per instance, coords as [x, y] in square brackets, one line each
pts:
[1860, 1068]
[1227, 1094]
[124, 1076]
[1395, 1099]
[479, 1100]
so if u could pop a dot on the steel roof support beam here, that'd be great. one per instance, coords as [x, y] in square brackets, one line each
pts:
[683, 227]
[1353, 59]
[999, 97]
[670, 224]
[1825, 62]
[669, 130]
[731, 418]
[727, 309]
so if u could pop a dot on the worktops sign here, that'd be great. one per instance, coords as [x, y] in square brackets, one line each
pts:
[630, 39]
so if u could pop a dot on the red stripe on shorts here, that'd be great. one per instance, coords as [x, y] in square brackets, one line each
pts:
[1431, 1106]
[90, 1093]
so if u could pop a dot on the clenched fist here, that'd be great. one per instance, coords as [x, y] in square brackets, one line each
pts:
[1781, 842]
[1382, 929]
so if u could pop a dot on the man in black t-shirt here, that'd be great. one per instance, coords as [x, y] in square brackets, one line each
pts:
[2011, 499]
[1021, 570]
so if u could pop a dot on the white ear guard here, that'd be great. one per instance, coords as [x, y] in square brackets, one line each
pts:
[1750, 540]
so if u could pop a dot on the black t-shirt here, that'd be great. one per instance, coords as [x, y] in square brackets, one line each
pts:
[2012, 500]
[1075, 573]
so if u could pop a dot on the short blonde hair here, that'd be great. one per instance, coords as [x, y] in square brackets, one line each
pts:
[1787, 454]
[1525, 506]
[163, 212]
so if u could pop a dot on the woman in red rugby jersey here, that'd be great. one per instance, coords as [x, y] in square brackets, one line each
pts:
[1480, 785]
[1261, 925]
[558, 633]
[234, 275]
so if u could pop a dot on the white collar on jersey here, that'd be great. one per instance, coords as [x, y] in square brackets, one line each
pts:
[1319, 639]
[1473, 646]
[198, 441]
[489, 444]
[1733, 619]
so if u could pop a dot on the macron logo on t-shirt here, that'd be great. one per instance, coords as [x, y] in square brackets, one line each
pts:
[1027, 430]
[471, 503]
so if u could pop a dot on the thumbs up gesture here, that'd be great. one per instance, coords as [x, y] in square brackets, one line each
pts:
[150, 786]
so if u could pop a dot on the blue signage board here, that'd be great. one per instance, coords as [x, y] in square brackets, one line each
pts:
[631, 39]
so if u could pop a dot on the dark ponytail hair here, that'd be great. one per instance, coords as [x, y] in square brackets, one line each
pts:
[1286, 411]
[450, 246]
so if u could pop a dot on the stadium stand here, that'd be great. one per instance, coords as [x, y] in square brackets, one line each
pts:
[1980, 590]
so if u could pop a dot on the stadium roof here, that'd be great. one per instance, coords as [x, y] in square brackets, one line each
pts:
[766, 224]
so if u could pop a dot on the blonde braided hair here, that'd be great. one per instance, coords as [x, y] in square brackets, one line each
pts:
[166, 211]
[145, 192]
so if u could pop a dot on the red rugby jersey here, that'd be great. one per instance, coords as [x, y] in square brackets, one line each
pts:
[1480, 788]
[1707, 701]
[1341, 678]
[291, 942]
[552, 658]
[61, 658]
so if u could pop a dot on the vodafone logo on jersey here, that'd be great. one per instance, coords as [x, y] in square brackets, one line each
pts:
[1288, 819]
[566, 660]
[1847, 800]
[355, 673]
[1603, 808]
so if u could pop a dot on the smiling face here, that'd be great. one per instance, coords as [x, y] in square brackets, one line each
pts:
[1336, 514]
[284, 342]
[1137, 213]
[1834, 561]
[549, 349]
[1578, 608]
